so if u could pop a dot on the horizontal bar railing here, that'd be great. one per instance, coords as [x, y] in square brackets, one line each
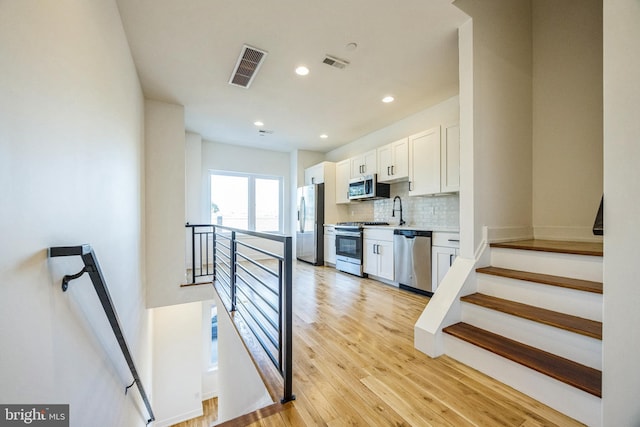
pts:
[243, 283]
[92, 267]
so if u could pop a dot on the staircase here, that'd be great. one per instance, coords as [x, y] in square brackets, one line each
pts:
[535, 323]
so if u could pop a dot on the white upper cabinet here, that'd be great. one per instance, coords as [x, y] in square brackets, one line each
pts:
[424, 162]
[393, 161]
[450, 159]
[364, 164]
[343, 173]
[434, 161]
[314, 174]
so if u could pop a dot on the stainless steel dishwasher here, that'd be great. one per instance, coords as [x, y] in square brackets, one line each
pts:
[412, 260]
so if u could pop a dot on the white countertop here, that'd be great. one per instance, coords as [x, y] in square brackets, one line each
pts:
[441, 229]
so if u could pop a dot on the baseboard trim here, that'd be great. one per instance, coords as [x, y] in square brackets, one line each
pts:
[565, 233]
[509, 234]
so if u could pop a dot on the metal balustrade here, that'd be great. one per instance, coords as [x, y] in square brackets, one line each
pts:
[253, 282]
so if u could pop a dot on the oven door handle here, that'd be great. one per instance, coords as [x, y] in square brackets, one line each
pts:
[348, 233]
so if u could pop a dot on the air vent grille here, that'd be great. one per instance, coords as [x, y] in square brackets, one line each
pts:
[247, 66]
[335, 62]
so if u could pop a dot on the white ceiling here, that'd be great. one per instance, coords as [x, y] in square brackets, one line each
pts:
[185, 52]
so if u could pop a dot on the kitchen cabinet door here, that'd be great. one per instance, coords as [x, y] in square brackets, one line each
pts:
[393, 161]
[424, 162]
[378, 253]
[343, 173]
[442, 259]
[364, 164]
[450, 159]
[329, 245]
[314, 174]
[385, 260]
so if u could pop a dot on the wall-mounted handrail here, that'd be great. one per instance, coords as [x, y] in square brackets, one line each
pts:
[270, 322]
[92, 267]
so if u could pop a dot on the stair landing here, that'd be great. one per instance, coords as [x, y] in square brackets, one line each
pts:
[577, 248]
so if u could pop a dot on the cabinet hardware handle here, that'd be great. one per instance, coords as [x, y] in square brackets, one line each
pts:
[409, 185]
[392, 172]
[451, 258]
[454, 240]
[388, 170]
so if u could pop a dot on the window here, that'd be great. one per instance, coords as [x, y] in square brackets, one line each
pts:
[214, 336]
[246, 201]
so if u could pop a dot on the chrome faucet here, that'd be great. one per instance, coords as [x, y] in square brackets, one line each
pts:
[393, 209]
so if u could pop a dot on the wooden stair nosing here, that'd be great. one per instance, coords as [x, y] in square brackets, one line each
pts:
[574, 248]
[546, 279]
[567, 371]
[578, 325]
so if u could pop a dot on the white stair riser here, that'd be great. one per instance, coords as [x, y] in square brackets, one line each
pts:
[570, 301]
[557, 264]
[569, 400]
[579, 348]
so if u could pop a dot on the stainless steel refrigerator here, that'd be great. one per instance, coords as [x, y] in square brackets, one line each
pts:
[310, 227]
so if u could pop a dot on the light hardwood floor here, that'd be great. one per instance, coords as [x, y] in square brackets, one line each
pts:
[355, 364]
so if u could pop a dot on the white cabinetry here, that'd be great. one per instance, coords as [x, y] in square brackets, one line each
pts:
[325, 173]
[364, 164]
[393, 161]
[343, 173]
[314, 174]
[378, 253]
[450, 159]
[329, 245]
[424, 162]
[434, 161]
[444, 250]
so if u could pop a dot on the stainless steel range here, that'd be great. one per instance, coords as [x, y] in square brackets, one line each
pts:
[349, 242]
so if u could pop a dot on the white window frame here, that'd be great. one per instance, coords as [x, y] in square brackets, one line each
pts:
[252, 196]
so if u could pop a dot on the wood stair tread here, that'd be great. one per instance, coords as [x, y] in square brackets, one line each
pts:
[577, 248]
[567, 371]
[547, 279]
[578, 325]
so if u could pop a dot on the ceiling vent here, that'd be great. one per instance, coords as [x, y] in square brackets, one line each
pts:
[247, 66]
[263, 132]
[335, 62]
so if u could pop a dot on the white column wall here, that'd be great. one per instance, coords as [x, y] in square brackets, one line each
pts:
[166, 207]
[621, 341]
[177, 363]
[71, 172]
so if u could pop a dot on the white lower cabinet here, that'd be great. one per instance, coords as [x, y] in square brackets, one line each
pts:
[378, 253]
[444, 250]
[329, 245]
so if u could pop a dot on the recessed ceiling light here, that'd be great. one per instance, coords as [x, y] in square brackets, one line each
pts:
[302, 70]
[258, 123]
[324, 136]
[387, 99]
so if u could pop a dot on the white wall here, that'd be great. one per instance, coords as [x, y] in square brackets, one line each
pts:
[177, 363]
[502, 117]
[166, 207]
[241, 389]
[193, 180]
[445, 112]
[567, 117]
[621, 341]
[71, 172]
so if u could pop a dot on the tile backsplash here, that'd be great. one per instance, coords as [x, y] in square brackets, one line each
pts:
[420, 211]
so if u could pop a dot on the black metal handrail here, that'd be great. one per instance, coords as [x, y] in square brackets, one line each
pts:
[92, 267]
[265, 308]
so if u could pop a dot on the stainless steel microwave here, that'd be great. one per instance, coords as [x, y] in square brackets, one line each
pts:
[368, 188]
